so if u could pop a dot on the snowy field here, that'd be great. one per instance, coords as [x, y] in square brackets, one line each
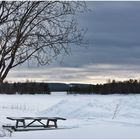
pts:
[88, 116]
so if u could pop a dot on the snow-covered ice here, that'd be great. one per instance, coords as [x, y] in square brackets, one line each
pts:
[88, 116]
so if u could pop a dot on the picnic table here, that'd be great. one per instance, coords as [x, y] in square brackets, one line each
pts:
[26, 122]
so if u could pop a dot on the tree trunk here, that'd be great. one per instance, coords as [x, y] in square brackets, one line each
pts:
[1, 80]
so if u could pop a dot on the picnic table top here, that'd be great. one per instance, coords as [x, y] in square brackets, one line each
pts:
[35, 118]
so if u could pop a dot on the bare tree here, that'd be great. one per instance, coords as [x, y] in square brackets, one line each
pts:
[38, 31]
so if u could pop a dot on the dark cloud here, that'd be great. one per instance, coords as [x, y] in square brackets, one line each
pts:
[113, 34]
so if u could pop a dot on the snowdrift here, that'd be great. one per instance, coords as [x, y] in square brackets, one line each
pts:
[113, 106]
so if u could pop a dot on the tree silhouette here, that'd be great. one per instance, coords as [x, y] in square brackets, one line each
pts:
[36, 30]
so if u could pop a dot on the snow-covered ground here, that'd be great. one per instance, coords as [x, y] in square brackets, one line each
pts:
[88, 116]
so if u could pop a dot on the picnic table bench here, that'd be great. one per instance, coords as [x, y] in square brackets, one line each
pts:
[31, 122]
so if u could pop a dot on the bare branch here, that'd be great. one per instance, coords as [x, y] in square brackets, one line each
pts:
[39, 30]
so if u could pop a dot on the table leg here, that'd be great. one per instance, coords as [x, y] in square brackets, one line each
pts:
[17, 123]
[54, 121]
[47, 123]
[24, 125]
[22, 121]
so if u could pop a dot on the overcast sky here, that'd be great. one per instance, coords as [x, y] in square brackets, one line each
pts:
[113, 50]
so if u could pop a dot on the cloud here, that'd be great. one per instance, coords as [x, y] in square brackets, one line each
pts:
[86, 74]
[113, 34]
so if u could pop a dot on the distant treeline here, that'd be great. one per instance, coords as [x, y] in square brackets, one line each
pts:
[24, 88]
[112, 87]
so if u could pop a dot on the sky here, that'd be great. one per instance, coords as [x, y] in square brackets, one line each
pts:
[113, 50]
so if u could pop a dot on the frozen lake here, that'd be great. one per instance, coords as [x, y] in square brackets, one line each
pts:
[88, 116]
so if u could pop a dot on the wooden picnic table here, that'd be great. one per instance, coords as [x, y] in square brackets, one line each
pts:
[25, 124]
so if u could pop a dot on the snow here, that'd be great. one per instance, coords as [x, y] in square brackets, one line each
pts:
[88, 116]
